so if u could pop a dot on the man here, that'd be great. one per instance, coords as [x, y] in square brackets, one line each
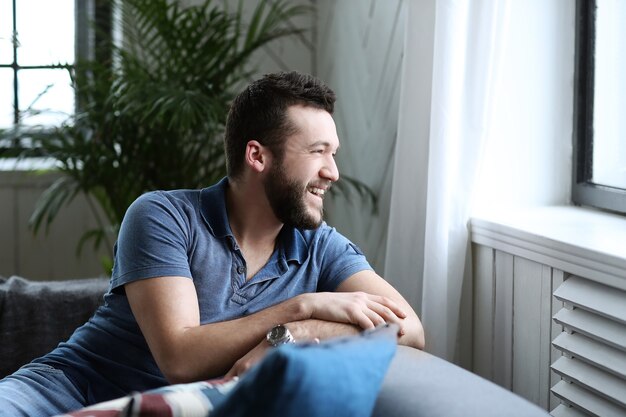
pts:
[206, 281]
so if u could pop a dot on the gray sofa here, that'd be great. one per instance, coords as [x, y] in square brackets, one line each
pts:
[419, 384]
[35, 316]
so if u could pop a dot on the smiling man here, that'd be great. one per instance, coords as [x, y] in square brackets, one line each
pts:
[205, 282]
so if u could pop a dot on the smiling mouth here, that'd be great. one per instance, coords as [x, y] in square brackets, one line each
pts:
[317, 191]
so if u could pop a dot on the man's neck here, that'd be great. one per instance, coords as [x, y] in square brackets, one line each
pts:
[251, 217]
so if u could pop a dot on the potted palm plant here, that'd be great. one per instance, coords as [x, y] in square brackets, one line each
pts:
[153, 116]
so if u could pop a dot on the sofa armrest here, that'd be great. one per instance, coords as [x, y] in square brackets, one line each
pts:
[36, 315]
[419, 384]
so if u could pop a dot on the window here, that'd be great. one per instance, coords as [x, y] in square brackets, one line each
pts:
[600, 99]
[36, 50]
[39, 44]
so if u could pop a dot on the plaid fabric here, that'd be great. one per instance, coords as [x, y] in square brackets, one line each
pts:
[182, 400]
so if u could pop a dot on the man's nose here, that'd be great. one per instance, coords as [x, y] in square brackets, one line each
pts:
[330, 170]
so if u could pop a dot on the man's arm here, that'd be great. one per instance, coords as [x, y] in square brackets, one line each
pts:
[411, 329]
[166, 309]
[366, 285]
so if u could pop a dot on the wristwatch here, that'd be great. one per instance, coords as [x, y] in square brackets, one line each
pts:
[279, 335]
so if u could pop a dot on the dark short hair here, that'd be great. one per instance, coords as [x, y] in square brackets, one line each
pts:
[260, 113]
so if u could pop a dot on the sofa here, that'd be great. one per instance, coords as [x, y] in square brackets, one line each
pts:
[35, 316]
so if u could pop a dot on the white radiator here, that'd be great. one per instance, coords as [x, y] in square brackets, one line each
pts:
[593, 344]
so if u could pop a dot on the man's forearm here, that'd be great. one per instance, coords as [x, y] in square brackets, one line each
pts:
[207, 351]
[311, 329]
[302, 331]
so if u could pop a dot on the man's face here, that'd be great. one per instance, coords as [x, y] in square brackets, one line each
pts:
[296, 184]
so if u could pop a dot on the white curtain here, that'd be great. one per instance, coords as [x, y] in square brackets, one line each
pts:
[451, 62]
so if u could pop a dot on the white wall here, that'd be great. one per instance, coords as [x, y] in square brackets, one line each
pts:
[360, 45]
[528, 157]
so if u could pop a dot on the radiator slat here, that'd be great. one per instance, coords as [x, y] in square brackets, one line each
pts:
[594, 326]
[565, 411]
[581, 398]
[599, 382]
[594, 297]
[604, 357]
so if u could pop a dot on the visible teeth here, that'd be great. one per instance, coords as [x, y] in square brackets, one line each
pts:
[317, 191]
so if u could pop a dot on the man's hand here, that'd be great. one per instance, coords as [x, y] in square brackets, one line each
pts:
[412, 332]
[249, 359]
[359, 308]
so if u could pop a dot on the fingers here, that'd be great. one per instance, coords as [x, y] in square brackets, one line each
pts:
[359, 308]
[390, 305]
[231, 373]
[242, 366]
[236, 370]
[249, 360]
[390, 312]
[385, 313]
[372, 311]
[366, 320]
[369, 320]
[377, 315]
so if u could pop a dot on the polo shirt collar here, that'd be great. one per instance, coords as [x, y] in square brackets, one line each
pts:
[292, 244]
[213, 209]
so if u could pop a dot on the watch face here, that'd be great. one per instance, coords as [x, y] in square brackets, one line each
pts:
[278, 335]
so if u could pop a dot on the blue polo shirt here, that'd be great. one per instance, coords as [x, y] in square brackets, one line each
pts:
[186, 233]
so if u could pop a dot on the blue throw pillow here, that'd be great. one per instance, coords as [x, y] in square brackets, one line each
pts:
[338, 377]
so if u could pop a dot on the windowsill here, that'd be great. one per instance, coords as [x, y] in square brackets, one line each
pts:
[27, 172]
[26, 164]
[577, 240]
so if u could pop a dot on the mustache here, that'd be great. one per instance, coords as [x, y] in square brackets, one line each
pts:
[326, 185]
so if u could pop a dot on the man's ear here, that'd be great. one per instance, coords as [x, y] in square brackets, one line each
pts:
[256, 156]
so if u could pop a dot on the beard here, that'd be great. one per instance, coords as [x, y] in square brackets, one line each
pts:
[287, 199]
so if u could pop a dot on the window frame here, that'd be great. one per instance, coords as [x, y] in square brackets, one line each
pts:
[584, 191]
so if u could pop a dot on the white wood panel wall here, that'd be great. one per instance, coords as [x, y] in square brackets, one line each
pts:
[42, 257]
[513, 311]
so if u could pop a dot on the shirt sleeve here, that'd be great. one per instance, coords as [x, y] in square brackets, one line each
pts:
[152, 241]
[339, 259]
